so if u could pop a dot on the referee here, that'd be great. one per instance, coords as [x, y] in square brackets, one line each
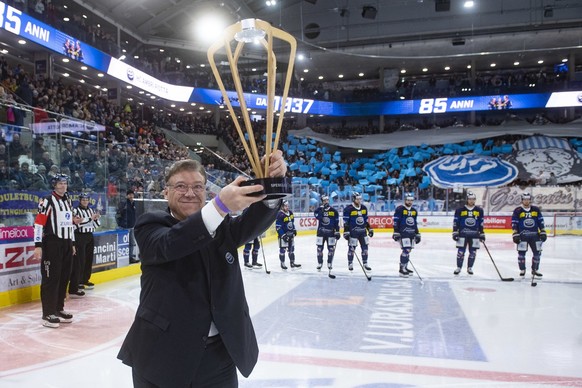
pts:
[84, 245]
[53, 241]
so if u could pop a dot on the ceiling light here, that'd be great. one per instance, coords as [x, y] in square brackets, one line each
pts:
[173, 105]
[424, 70]
[83, 67]
[4, 51]
[100, 75]
[447, 68]
[66, 60]
[301, 57]
[65, 74]
[565, 60]
[403, 71]
[306, 70]
[66, 19]
[153, 97]
[82, 81]
[162, 50]
[493, 65]
[21, 41]
[129, 86]
[84, 16]
[515, 63]
[541, 61]
[469, 4]
[469, 66]
[320, 77]
[361, 74]
[340, 76]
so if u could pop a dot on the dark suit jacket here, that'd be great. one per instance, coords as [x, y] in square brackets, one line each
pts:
[189, 279]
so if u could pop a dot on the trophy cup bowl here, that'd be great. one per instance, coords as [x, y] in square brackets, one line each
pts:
[250, 31]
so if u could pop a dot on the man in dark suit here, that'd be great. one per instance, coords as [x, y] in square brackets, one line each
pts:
[192, 327]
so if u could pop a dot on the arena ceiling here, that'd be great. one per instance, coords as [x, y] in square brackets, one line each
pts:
[363, 36]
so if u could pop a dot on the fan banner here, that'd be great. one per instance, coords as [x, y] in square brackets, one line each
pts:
[470, 170]
[538, 157]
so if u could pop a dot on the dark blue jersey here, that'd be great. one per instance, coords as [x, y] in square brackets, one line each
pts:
[285, 223]
[327, 221]
[356, 220]
[405, 221]
[468, 221]
[527, 222]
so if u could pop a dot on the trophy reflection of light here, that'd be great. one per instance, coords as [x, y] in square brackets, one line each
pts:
[255, 31]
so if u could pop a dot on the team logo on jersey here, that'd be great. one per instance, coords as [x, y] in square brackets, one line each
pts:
[470, 170]
[360, 221]
[290, 226]
[229, 258]
[410, 221]
[529, 223]
[470, 222]
[325, 221]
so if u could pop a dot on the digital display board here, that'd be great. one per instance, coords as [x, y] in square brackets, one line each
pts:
[16, 22]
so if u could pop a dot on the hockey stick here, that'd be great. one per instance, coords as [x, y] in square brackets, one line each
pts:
[495, 265]
[362, 265]
[264, 259]
[330, 275]
[533, 276]
[413, 267]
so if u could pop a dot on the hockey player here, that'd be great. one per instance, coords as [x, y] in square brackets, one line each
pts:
[406, 231]
[357, 229]
[527, 224]
[468, 232]
[327, 231]
[286, 231]
[254, 245]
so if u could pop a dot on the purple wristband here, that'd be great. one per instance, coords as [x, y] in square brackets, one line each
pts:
[221, 205]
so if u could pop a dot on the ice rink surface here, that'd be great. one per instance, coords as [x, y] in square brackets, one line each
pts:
[314, 331]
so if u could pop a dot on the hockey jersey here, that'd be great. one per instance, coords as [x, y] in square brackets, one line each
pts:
[327, 221]
[356, 220]
[405, 221]
[527, 222]
[468, 222]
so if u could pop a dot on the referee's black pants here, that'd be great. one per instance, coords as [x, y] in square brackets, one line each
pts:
[55, 270]
[82, 261]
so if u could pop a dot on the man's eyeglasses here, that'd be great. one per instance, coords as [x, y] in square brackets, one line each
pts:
[183, 188]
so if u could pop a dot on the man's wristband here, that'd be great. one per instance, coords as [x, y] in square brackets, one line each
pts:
[221, 204]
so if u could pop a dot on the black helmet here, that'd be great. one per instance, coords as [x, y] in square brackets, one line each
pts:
[59, 178]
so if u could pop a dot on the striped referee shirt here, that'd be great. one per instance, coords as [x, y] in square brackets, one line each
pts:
[54, 218]
[87, 224]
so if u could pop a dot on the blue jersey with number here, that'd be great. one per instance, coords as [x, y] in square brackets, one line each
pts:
[405, 221]
[327, 221]
[468, 221]
[527, 222]
[356, 220]
[285, 223]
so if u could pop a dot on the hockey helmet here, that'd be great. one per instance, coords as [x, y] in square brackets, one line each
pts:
[356, 195]
[83, 196]
[471, 195]
[409, 196]
[59, 178]
[324, 198]
[285, 202]
[525, 196]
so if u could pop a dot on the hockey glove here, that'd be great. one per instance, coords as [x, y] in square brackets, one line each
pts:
[543, 236]
[347, 235]
[290, 234]
[417, 238]
[396, 236]
[285, 237]
[294, 232]
[482, 237]
[337, 235]
[371, 232]
[516, 238]
[456, 236]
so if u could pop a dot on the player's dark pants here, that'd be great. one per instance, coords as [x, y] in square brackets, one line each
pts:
[55, 270]
[461, 253]
[353, 244]
[537, 255]
[330, 249]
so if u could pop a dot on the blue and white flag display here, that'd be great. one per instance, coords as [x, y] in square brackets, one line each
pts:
[470, 170]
